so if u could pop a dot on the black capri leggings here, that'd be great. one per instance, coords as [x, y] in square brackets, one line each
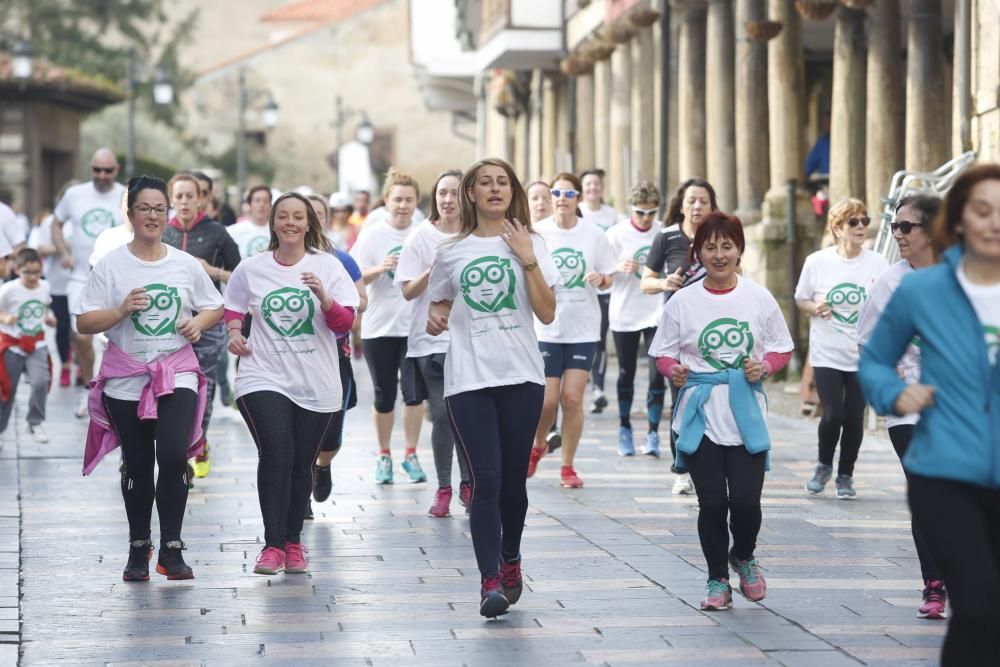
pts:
[60, 308]
[335, 434]
[900, 436]
[170, 432]
[843, 417]
[385, 357]
[627, 345]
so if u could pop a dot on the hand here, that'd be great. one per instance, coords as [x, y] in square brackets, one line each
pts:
[679, 376]
[518, 239]
[10, 319]
[135, 301]
[189, 330]
[754, 370]
[437, 324]
[66, 261]
[390, 263]
[915, 398]
[823, 310]
[628, 266]
[594, 278]
[675, 280]
[312, 281]
[237, 343]
[209, 269]
[50, 320]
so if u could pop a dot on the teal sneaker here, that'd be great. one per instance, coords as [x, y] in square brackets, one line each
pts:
[719, 596]
[752, 584]
[652, 444]
[625, 445]
[383, 470]
[411, 464]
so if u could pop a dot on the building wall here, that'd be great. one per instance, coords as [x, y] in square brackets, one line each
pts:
[986, 79]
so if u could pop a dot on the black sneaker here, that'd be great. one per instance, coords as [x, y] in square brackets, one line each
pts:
[553, 441]
[600, 402]
[309, 511]
[510, 579]
[140, 552]
[322, 483]
[171, 563]
[492, 602]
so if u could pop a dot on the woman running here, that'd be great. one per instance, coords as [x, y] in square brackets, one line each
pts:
[539, 201]
[953, 460]
[288, 380]
[717, 342]
[149, 394]
[586, 264]
[832, 289]
[339, 230]
[634, 316]
[423, 368]
[484, 287]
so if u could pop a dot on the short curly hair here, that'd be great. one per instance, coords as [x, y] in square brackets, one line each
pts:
[843, 211]
[642, 192]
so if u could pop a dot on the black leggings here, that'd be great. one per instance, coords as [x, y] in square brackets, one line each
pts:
[170, 432]
[627, 347]
[900, 437]
[601, 357]
[385, 357]
[60, 308]
[288, 438]
[494, 429]
[961, 524]
[729, 481]
[335, 434]
[843, 417]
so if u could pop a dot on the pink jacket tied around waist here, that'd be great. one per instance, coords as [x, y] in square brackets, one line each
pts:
[101, 435]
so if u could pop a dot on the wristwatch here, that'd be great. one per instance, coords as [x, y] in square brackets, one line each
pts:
[530, 267]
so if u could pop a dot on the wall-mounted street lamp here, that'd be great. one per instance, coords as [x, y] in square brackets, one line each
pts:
[22, 54]
[270, 117]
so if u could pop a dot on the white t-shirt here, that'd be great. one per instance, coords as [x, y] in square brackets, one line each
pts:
[30, 306]
[576, 252]
[878, 299]
[630, 308]
[714, 332]
[109, 239]
[91, 212]
[55, 274]
[604, 217]
[844, 285]
[250, 237]
[11, 232]
[388, 313]
[986, 302]
[493, 343]
[417, 256]
[176, 286]
[292, 350]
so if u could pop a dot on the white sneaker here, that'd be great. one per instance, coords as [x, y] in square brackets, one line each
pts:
[682, 485]
[82, 409]
[37, 432]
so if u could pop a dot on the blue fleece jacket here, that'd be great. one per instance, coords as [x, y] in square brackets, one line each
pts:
[957, 438]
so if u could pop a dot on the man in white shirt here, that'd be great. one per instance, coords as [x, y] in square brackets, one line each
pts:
[8, 234]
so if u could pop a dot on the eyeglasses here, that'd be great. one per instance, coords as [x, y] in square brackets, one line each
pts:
[159, 211]
[568, 194]
[103, 170]
[644, 212]
[854, 222]
[906, 226]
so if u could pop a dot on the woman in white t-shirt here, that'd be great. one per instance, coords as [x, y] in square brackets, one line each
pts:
[141, 296]
[485, 288]
[717, 341]
[832, 289]
[539, 201]
[586, 264]
[386, 323]
[422, 377]
[288, 381]
[634, 315]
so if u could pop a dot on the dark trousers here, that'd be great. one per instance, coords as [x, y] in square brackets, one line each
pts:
[900, 437]
[601, 358]
[162, 442]
[385, 358]
[961, 524]
[627, 345]
[843, 417]
[288, 438]
[729, 481]
[494, 429]
[335, 434]
[207, 350]
[60, 308]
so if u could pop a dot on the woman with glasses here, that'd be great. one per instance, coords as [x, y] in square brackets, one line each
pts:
[586, 263]
[832, 289]
[634, 316]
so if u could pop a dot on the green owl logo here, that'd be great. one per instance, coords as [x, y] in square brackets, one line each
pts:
[256, 244]
[289, 311]
[30, 317]
[394, 253]
[640, 256]
[159, 318]
[96, 220]
[725, 343]
[992, 337]
[488, 285]
[845, 302]
[572, 267]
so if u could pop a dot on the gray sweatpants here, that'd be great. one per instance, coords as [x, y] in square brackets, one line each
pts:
[207, 349]
[37, 366]
[431, 370]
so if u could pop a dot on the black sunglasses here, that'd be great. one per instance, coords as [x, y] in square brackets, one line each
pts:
[906, 226]
[102, 170]
[854, 222]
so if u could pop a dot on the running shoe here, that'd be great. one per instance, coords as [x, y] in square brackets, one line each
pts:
[202, 463]
[510, 579]
[821, 475]
[171, 563]
[188, 475]
[626, 447]
[79, 379]
[492, 601]
[935, 598]
[682, 485]
[536, 455]
[271, 560]
[600, 402]
[411, 465]
[383, 470]
[38, 432]
[308, 515]
[553, 440]
[140, 552]
[64, 378]
[82, 407]
[719, 595]
[465, 495]
[569, 478]
[442, 503]
[652, 444]
[322, 483]
[752, 584]
[845, 487]
[295, 558]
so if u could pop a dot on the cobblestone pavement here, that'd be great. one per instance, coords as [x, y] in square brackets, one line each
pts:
[614, 573]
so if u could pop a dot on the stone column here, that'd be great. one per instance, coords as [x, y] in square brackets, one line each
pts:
[621, 119]
[847, 117]
[584, 122]
[643, 123]
[550, 126]
[752, 159]
[720, 136]
[785, 94]
[927, 109]
[602, 113]
[885, 122]
[535, 127]
[691, 90]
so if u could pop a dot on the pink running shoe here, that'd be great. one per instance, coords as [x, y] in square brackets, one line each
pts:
[270, 561]
[752, 584]
[465, 493]
[492, 601]
[442, 503]
[295, 558]
[569, 478]
[719, 596]
[935, 599]
[511, 580]
[536, 455]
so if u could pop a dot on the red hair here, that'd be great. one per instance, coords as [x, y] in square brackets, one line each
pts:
[721, 225]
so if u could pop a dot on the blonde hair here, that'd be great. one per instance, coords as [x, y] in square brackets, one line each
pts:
[644, 191]
[394, 177]
[180, 177]
[842, 211]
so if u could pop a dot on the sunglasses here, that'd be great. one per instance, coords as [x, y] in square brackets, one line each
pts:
[854, 222]
[568, 194]
[906, 226]
[103, 170]
[644, 212]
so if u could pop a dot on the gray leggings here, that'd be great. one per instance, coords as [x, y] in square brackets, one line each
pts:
[37, 366]
[430, 370]
[207, 350]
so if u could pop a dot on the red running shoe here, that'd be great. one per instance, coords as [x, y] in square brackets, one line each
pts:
[64, 376]
[442, 503]
[295, 558]
[536, 455]
[570, 479]
[492, 601]
[935, 598]
[511, 580]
